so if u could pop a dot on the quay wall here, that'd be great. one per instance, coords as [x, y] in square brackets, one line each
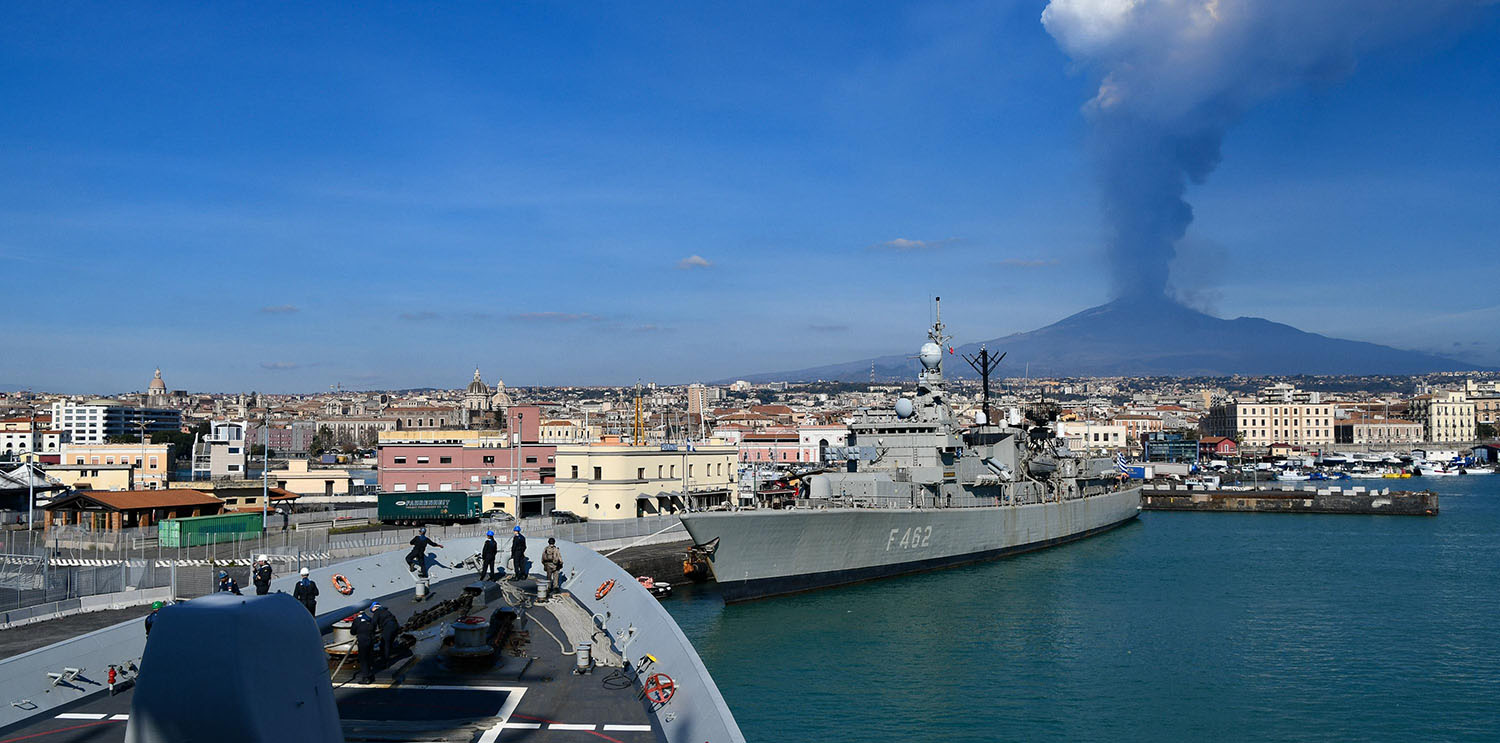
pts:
[1422, 503]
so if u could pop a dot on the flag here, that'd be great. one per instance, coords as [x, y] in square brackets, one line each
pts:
[950, 350]
[1120, 462]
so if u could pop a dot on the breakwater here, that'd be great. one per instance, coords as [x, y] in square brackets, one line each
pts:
[1284, 500]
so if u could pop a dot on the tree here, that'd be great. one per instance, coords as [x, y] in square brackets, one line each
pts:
[126, 438]
[321, 441]
[1486, 431]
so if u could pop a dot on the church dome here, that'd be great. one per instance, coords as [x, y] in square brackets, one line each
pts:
[478, 387]
[156, 384]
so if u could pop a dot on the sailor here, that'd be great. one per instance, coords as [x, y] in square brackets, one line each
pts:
[261, 576]
[363, 627]
[552, 563]
[228, 584]
[417, 558]
[518, 555]
[151, 618]
[487, 557]
[388, 627]
[306, 591]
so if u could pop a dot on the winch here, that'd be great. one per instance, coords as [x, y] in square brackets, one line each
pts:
[471, 638]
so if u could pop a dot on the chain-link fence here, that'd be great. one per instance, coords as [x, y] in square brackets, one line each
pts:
[68, 562]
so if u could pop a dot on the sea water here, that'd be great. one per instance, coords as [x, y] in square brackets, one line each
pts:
[1178, 626]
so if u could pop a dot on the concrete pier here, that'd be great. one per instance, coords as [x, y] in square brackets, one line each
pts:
[1279, 500]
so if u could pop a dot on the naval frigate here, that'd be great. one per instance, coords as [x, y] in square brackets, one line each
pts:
[918, 489]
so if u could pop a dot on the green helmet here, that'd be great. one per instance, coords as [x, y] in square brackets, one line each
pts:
[155, 605]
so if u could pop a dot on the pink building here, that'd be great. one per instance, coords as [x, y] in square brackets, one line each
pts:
[442, 467]
[771, 445]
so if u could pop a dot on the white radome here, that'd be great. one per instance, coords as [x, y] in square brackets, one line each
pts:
[904, 408]
[930, 355]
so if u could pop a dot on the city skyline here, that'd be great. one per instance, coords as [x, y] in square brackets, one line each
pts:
[388, 198]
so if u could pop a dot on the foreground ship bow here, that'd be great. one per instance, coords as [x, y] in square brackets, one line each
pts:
[922, 491]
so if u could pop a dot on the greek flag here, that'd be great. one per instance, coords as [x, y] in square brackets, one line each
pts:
[1120, 462]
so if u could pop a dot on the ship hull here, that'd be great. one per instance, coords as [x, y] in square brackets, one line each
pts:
[760, 554]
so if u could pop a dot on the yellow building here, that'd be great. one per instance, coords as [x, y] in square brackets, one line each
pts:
[610, 480]
[297, 478]
[93, 476]
[151, 464]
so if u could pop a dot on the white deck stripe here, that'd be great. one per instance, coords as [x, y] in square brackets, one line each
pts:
[569, 726]
[521, 725]
[81, 716]
[627, 728]
[120, 717]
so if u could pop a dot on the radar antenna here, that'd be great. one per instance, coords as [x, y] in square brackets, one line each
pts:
[984, 364]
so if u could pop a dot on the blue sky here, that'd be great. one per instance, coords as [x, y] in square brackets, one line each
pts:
[286, 198]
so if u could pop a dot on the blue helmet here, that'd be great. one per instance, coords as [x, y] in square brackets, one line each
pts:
[490, 533]
[223, 575]
[518, 530]
[422, 530]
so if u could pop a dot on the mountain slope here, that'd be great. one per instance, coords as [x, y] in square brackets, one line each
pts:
[1155, 337]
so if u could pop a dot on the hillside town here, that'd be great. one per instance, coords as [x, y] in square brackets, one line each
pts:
[624, 452]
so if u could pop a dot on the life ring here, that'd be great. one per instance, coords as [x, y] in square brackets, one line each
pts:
[342, 584]
[659, 688]
[604, 589]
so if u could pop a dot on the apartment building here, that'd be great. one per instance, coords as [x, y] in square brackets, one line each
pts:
[1083, 436]
[1445, 416]
[1376, 430]
[19, 436]
[94, 421]
[1279, 414]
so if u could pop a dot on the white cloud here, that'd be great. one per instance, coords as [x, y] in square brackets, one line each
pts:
[694, 261]
[905, 245]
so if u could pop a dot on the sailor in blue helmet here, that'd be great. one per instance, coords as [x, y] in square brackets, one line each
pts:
[227, 583]
[417, 558]
[387, 625]
[487, 557]
[518, 555]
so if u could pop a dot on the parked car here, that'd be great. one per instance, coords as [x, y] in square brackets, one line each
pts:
[496, 514]
[567, 517]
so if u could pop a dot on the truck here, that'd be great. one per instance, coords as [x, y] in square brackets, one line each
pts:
[456, 507]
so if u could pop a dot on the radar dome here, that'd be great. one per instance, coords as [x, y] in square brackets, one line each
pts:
[930, 355]
[904, 408]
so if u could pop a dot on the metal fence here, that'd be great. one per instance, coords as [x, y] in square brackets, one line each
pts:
[68, 562]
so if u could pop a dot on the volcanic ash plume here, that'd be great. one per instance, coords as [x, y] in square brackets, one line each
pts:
[1175, 74]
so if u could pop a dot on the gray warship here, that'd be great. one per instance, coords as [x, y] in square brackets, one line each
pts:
[918, 489]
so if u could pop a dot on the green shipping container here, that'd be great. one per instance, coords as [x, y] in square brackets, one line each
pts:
[442, 507]
[197, 531]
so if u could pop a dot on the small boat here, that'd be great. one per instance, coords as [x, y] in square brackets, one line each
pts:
[1435, 471]
[657, 589]
[1317, 476]
[1291, 476]
[1367, 475]
[1478, 470]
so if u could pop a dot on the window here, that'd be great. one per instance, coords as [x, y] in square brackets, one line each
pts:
[399, 460]
[531, 460]
[658, 472]
[489, 460]
[598, 473]
[446, 486]
[422, 460]
[234, 450]
[109, 460]
[690, 467]
[640, 473]
[445, 460]
[423, 486]
[80, 461]
[575, 472]
[234, 468]
[399, 487]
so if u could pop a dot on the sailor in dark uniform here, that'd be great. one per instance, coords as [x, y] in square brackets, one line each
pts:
[364, 629]
[261, 576]
[306, 591]
[487, 557]
[417, 558]
[227, 584]
[388, 627]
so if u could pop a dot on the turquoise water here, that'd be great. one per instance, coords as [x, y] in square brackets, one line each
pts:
[1180, 626]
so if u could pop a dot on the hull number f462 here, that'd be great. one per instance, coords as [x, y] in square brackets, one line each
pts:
[912, 537]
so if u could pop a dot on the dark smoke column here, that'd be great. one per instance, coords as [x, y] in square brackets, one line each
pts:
[1174, 75]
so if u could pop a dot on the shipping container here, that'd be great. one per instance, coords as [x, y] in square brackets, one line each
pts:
[197, 531]
[429, 508]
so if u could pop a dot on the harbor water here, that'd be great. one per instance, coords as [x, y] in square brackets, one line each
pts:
[1179, 626]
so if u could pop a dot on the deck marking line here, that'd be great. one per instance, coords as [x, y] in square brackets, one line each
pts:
[81, 716]
[512, 700]
[521, 725]
[570, 726]
[627, 728]
[120, 717]
[44, 733]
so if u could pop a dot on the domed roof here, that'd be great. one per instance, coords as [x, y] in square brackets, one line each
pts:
[478, 387]
[156, 384]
